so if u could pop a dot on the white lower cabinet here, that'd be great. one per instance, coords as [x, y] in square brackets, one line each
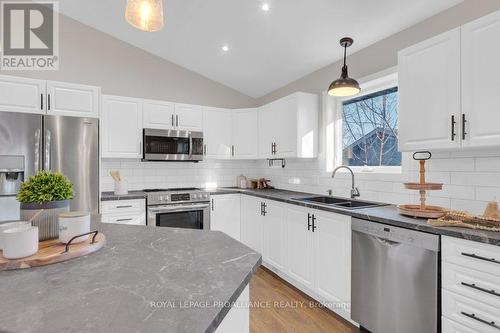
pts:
[124, 212]
[251, 222]
[225, 214]
[470, 286]
[238, 317]
[309, 248]
[332, 258]
[300, 246]
[273, 226]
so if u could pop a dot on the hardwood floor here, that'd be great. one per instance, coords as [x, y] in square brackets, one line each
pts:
[266, 289]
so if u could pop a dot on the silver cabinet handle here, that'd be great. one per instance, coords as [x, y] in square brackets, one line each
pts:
[176, 120]
[172, 120]
[126, 206]
[123, 220]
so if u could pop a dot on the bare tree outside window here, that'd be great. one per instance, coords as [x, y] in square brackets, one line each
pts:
[370, 133]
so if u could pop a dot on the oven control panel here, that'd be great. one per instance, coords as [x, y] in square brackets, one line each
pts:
[159, 198]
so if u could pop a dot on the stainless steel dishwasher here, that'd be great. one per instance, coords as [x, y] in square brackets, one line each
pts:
[394, 279]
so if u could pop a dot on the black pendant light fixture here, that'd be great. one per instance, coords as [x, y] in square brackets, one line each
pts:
[345, 86]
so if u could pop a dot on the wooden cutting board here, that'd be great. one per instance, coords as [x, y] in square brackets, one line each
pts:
[52, 251]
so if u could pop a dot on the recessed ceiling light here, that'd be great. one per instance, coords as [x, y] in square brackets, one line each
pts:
[225, 48]
[265, 7]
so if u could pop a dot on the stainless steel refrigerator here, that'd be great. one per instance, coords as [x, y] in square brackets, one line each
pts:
[33, 142]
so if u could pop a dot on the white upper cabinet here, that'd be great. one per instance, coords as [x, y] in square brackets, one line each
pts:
[429, 94]
[448, 89]
[48, 97]
[69, 99]
[121, 127]
[245, 123]
[188, 117]
[288, 127]
[217, 133]
[158, 114]
[481, 81]
[22, 95]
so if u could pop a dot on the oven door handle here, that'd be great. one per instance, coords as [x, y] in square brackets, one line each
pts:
[178, 208]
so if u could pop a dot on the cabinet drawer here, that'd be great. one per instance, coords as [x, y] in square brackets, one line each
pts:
[476, 315]
[449, 326]
[124, 206]
[137, 219]
[474, 255]
[473, 284]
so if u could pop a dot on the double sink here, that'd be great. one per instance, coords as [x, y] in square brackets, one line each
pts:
[340, 202]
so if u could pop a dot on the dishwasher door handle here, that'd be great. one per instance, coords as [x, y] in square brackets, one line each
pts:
[386, 242]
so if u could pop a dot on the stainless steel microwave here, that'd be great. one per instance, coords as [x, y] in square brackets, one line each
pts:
[172, 145]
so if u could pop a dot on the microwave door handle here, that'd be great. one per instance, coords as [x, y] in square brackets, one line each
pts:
[190, 145]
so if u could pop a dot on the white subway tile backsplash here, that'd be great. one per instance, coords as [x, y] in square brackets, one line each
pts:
[471, 179]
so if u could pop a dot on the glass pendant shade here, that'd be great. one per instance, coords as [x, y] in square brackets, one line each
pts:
[146, 15]
[344, 86]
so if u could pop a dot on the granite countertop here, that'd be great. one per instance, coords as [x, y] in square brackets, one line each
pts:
[387, 214]
[121, 287]
[111, 196]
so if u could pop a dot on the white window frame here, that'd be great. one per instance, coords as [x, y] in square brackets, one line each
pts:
[377, 82]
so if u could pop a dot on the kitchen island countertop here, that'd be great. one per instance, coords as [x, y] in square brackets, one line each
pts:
[144, 280]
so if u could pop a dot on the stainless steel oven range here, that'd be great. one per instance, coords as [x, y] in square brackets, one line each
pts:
[178, 208]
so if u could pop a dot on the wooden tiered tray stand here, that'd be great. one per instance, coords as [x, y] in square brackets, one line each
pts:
[52, 251]
[422, 186]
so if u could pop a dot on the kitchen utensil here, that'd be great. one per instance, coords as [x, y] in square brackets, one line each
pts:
[52, 251]
[72, 224]
[20, 242]
[115, 174]
[422, 186]
[10, 225]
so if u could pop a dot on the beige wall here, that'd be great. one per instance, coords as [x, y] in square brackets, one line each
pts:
[383, 54]
[89, 56]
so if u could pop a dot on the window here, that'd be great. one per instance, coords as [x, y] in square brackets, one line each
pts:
[369, 130]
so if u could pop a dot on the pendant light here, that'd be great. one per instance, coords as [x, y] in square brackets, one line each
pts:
[344, 86]
[146, 15]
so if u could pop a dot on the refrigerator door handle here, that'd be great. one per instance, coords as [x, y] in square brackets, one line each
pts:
[47, 156]
[37, 150]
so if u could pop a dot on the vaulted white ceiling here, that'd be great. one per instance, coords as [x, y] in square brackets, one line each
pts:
[267, 50]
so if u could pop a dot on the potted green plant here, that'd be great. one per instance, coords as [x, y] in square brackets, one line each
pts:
[47, 191]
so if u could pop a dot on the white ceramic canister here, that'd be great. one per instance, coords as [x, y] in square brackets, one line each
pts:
[10, 225]
[121, 187]
[72, 224]
[20, 242]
